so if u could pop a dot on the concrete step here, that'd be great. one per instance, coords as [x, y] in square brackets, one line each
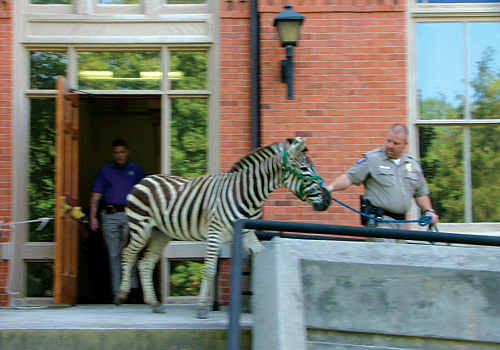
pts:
[107, 327]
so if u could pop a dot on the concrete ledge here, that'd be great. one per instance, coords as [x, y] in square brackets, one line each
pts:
[422, 294]
[118, 339]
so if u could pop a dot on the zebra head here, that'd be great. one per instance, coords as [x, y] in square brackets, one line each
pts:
[301, 177]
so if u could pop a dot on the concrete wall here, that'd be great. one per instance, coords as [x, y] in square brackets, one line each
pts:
[361, 295]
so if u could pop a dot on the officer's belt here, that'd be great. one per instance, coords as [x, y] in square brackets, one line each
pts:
[114, 208]
[381, 211]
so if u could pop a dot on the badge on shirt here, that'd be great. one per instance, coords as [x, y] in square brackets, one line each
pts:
[131, 173]
[409, 167]
[362, 159]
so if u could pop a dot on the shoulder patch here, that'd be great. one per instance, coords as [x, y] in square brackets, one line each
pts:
[361, 160]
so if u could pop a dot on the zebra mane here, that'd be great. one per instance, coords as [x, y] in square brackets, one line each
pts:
[259, 154]
[256, 156]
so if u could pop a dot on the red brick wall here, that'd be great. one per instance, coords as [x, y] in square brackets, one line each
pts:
[350, 86]
[349, 80]
[5, 133]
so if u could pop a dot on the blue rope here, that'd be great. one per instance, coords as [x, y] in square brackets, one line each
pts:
[423, 221]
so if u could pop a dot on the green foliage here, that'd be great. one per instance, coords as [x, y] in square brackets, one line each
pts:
[45, 67]
[185, 278]
[193, 65]
[125, 68]
[189, 137]
[41, 167]
[443, 167]
[189, 128]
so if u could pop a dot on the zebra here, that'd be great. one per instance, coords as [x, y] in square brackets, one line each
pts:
[164, 207]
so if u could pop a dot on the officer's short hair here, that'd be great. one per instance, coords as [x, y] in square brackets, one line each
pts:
[399, 128]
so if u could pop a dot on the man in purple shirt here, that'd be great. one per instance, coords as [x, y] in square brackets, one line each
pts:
[112, 184]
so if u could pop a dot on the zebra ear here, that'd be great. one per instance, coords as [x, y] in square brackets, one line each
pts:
[296, 146]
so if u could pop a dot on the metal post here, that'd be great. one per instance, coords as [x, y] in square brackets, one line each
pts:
[289, 71]
[233, 337]
[255, 72]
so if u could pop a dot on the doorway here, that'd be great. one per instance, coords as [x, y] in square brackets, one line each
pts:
[136, 119]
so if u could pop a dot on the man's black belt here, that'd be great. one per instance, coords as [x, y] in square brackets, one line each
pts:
[114, 208]
[395, 216]
[368, 209]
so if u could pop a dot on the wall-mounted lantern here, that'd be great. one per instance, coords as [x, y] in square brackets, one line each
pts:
[288, 23]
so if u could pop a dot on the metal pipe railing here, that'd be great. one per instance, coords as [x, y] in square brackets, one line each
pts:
[326, 232]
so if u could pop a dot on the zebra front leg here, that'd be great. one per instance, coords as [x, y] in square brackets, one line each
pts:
[211, 256]
[146, 268]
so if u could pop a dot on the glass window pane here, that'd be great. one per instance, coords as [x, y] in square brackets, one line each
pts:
[441, 157]
[39, 281]
[484, 69]
[189, 145]
[50, 2]
[185, 277]
[119, 70]
[188, 70]
[441, 67]
[485, 162]
[41, 168]
[45, 67]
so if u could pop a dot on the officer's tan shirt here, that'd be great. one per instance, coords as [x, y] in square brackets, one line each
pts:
[387, 185]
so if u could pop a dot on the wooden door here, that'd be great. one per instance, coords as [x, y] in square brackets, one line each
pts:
[66, 192]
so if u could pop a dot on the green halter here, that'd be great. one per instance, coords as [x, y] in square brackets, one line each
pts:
[300, 176]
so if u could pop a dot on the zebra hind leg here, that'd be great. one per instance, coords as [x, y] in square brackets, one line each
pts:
[147, 265]
[211, 257]
[251, 243]
[129, 256]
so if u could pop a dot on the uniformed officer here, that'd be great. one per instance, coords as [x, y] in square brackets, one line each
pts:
[391, 179]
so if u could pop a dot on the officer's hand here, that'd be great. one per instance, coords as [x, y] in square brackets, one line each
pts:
[94, 224]
[434, 218]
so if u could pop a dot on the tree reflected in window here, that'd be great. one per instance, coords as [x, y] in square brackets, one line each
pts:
[461, 159]
[45, 67]
[41, 167]
[441, 154]
[189, 137]
[188, 70]
[119, 70]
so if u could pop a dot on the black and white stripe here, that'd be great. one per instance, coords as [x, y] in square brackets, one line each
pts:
[164, 207]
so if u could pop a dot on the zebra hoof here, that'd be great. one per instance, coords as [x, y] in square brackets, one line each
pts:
[202, 314]
[159, 309]
[118, 301]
